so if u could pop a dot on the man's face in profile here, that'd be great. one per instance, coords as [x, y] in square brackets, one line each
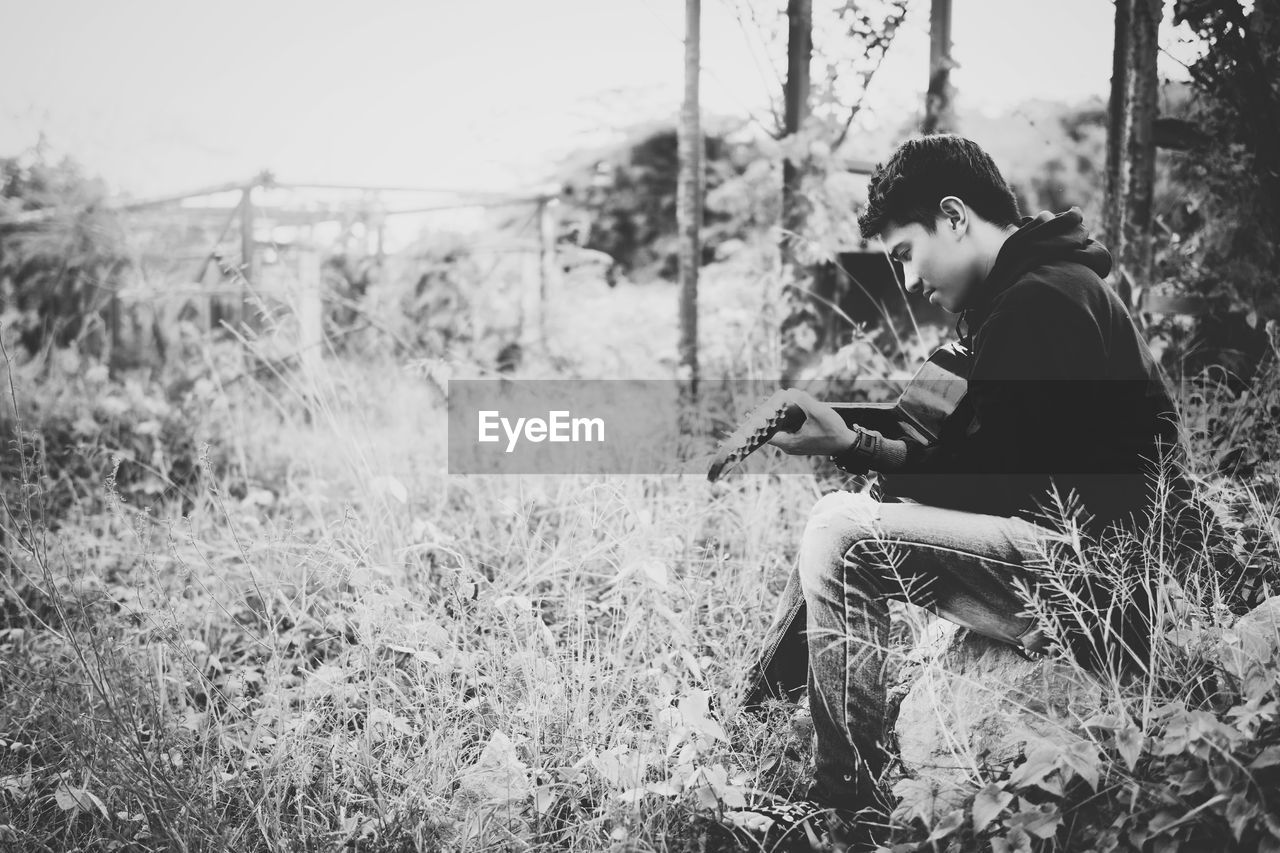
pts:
[940, 264]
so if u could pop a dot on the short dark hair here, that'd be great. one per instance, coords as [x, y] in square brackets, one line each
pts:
[924, 171]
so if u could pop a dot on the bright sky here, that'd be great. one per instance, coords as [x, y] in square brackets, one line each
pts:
[165, 95]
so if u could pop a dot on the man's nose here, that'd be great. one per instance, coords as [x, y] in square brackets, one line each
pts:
[912, 282]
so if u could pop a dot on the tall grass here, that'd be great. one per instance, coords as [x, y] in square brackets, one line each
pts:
[338, 645]
[341, 644]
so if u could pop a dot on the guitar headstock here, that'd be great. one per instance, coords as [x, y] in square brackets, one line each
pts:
[760, 425]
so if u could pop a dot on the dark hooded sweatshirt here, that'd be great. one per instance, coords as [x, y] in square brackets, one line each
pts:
[1063, 391]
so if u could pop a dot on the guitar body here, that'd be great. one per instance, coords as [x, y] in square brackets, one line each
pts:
[931, 397]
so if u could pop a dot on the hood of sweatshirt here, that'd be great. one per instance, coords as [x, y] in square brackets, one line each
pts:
[1046, 238]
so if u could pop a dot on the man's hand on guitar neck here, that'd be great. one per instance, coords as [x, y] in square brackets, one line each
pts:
[823, 432]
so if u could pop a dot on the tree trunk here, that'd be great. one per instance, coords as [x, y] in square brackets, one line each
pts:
[1131, 154]
[801, 326]
[938, 117]
[689, 194]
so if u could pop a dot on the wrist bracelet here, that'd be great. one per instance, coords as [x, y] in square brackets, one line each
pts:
[858, 456]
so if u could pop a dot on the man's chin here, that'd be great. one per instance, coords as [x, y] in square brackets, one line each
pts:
[948, 305]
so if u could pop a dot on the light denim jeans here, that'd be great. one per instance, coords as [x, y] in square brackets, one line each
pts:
[831, 628]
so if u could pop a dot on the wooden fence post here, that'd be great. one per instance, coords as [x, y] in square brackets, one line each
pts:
[309, 309]
[113, 315]
[248, 270]
[548, 272]
[689, 187]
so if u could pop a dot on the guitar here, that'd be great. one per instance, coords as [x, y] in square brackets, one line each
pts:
[932, 396]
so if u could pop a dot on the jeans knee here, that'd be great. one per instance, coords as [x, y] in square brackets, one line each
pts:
[836, 521]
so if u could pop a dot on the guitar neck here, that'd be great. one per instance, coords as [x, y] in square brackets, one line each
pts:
[884, 418]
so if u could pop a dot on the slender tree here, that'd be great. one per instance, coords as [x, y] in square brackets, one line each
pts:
[813, 122]
[937, 103]
[689, 194]
[801, 323]
[1131, 162]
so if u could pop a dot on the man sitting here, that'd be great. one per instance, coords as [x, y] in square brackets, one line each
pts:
[1063, 395]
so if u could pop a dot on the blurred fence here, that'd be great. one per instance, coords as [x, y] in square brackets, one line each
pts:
[247, 256]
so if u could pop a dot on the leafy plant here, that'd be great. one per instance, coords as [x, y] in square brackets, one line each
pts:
[56, 275]
[1233, 181]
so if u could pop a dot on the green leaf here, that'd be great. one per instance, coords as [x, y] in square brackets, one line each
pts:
[1107, 722]
[1239, 812]
[1016, 841]
[1082, 757]
[544, 797]
[71, 799]
[383, 717]
[950, 822]
[667, 788]
[1162, 820]
[693, 709]
[498, 775]
[1129, 740]
[632, 796]
[1269, 757]
[705, 797]
[1190, 781]
[1272, 821]
[924, 799]
[16, 786]
[710, 786]
[987, 805]
[1224, 774]
[1041, 760]
[1042, 821]
[621, 767]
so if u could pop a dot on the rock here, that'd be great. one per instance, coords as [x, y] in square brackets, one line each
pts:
[973, 701]
[968, 701]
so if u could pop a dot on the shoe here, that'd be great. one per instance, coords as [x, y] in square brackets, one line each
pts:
[806, 826]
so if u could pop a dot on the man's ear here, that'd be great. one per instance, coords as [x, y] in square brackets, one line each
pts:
[956, 214]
